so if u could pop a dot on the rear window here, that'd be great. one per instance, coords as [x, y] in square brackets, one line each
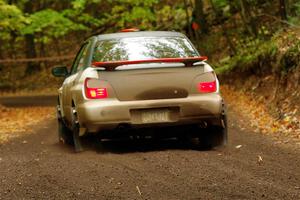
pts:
[143, 48]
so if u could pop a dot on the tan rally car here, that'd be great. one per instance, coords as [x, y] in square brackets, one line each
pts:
[135, 80]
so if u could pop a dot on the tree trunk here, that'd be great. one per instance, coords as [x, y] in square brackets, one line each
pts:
[1, 57]
[12, 42]
[30, 53]
[247, 18]
[282, 8]
[188, 20]
[30, 44]
[200, 17]
[232, 47]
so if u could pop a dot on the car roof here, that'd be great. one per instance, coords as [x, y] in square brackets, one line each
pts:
[140, 34]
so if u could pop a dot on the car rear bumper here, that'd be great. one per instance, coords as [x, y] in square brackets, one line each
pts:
[97, 115]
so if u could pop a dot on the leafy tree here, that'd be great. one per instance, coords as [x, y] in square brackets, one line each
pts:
[12, 20]
[200, 17]
[51, 24]
[27, 26]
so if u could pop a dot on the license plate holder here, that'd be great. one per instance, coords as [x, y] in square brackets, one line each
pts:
[155, 116]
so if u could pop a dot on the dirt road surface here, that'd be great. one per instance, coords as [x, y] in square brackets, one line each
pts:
[253, 166]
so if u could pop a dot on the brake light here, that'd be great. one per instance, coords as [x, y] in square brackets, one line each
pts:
[130, 30]
[95, 92]
[207, 87]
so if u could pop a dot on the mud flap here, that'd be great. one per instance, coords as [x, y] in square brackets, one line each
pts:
[76, 139]
[76, 132]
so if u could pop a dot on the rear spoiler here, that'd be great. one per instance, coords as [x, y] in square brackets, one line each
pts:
[111, 65]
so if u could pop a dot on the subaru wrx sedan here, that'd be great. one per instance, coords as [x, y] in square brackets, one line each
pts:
[134, 81]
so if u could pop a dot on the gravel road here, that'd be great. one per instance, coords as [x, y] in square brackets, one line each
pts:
[253, 166]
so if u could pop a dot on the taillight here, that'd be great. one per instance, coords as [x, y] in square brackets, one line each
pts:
[94, 92]
[207, 87]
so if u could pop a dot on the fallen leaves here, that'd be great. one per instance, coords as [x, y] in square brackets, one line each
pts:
[17, 121]
[258, 116]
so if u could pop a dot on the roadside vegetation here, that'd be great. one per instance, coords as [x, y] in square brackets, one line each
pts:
[257, 116]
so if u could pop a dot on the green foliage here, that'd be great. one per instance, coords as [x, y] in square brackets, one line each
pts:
[146, 3]
[133, 17]
[291, 58]
[79, 4]
[283, 50]
[250, 54]
[296, 8]
[52, 21]
[49, 20]
[223, 6]
[12, 20]
[220, 3]
[79, 14]
[294, 18]
[166, 17]
[51, 24]
[133, 13]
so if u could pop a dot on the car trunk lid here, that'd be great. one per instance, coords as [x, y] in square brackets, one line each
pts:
[151, 81]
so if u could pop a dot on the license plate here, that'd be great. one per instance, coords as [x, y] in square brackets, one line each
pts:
[155, 116]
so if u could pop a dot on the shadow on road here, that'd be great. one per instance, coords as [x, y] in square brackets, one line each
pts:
[135, 144]
[140, 145]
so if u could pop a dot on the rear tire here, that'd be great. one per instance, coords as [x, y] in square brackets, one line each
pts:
[213, 136]
[64, 133]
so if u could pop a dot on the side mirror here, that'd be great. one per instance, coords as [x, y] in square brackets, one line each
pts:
[61, 71]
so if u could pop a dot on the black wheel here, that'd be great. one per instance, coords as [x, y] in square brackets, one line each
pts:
[64, 133]
[213, 136]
